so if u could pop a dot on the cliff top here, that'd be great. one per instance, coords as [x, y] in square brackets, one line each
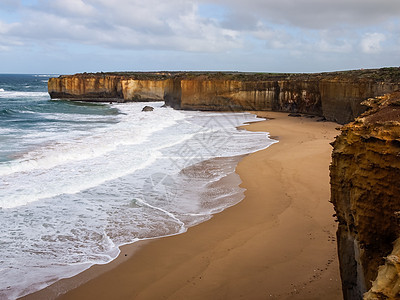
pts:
[384, 109]
[391, 74]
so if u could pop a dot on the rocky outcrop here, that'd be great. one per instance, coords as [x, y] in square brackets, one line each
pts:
[85, 87]
[337, 96]
[387, 283]
[365, 191]
[108, 87]
[148, 108]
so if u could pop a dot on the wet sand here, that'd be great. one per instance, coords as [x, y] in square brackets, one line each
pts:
[278, 243]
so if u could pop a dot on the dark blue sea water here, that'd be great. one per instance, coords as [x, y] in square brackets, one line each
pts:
[78, 180]
[28, 117]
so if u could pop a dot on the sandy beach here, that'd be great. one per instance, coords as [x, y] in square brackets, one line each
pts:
[278, 243]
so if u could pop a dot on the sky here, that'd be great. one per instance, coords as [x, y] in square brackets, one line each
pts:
[71, 36]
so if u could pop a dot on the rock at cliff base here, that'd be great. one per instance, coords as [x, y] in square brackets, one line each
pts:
[148, 108]
[387, 283]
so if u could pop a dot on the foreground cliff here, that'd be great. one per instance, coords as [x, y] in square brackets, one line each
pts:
[365, 191]
[336, 96]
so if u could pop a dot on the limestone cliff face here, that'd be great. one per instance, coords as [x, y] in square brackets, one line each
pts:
[143, 90]
[387, 283]
[336, 99]
[342, 97]
[365, 191]
[219, 94]
[85, 87]
[102, 87]
[235, 95]
[336, 96]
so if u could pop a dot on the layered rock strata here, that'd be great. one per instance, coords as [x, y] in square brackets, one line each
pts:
[103, 87]
[336, 96]
[365, 191]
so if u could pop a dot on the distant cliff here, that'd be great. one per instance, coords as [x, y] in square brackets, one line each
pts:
[365, 191]
[103, 87]
[337, 96]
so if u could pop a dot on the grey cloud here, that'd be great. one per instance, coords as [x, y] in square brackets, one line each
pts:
[317, 14]
[242, 20]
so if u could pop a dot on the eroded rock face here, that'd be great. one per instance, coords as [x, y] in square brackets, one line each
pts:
[365, 191]
[143, 90]
[148, 108]
[387, 283]
[335, 96]
[107, 87]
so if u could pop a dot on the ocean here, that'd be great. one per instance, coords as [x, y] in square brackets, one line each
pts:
[78, 180]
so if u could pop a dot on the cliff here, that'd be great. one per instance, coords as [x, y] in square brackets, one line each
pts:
[108, 87]
[365, 192]
[336, 96]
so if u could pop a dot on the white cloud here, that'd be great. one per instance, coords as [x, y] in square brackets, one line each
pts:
[151, 24]
[371, 42]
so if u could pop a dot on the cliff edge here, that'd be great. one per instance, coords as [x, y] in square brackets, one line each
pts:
[336, 96]
[365, 192]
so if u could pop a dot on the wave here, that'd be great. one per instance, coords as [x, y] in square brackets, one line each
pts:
[62, 181]
[90, 144]
[7, 112]
[48, 75]
[18, 94]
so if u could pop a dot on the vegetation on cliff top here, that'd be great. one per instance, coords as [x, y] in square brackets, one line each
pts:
[390, 74]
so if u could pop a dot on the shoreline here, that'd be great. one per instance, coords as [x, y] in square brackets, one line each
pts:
[278, 242]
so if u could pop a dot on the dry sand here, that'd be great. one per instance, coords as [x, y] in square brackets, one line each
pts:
[278, 243]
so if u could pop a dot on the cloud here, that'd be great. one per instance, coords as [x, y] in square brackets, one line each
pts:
[72, 8]
[290, 30]
[371, 42]
[151, 24]
[314, 14]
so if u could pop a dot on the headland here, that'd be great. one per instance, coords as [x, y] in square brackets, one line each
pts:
[336, 96]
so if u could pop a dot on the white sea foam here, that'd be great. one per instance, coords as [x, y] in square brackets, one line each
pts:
[78, 195]
[44, 75]
[33, 186]
[18, 94]
[169, 214]
[80, 146]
